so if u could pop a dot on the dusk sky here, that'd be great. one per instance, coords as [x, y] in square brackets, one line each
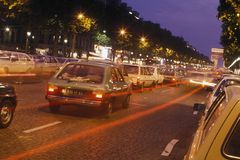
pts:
[194, 20]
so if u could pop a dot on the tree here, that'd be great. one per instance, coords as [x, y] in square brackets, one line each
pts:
[229, 14]
[10, 8]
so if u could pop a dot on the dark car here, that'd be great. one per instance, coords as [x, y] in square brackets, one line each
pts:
[8, 104]
[89, 83]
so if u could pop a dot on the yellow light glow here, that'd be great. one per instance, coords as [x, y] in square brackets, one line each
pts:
[80, 16]
[122, 31]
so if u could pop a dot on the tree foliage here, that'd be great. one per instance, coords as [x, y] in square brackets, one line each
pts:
[229, 14]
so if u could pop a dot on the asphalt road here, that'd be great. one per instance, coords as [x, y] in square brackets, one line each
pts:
[156, 121]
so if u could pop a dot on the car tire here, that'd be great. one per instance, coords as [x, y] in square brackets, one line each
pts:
[108, 108]
[126, 102]
[6, 113]
[53, 107]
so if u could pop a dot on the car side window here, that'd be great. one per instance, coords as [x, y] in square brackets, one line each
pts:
[114, 77]
[119, 75]
[220, 88]
[232, 145]
[14, 57]
[216, 113]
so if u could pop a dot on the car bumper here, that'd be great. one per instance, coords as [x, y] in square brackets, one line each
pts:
[76, 101]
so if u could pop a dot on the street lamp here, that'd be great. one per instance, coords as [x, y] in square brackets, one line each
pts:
[143, 39]
[27, 41]
[7, 29]
[122, 32]
[80, 16]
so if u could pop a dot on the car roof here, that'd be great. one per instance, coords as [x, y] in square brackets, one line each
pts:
[233, 92]
[232, 77]
[94, 63]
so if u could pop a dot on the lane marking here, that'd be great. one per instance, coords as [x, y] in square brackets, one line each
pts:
[42, 127]
[167, 90]
[195, 112]
[138, 104]
[167, 151]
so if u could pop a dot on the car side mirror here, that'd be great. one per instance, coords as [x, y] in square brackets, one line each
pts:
[199, 107]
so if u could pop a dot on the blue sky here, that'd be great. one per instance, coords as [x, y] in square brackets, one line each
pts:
[195, 20]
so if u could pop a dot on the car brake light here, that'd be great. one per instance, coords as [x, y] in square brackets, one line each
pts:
[98, 94]
[52, 88]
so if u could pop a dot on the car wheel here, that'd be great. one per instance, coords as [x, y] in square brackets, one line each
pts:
[6, 113]
[126, 102]
[53, 107]
[108, 108]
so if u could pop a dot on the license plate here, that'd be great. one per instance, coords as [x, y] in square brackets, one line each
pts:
[72, 92]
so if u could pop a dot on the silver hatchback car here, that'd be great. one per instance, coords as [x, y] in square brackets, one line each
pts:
[88, 83]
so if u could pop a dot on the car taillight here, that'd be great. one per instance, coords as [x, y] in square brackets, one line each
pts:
[98, 94]
[52, 88]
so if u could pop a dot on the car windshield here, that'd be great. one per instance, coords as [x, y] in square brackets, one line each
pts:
[82, 73]
[131, 69]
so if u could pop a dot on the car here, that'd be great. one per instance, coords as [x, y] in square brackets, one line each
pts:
[207, 79]
[8, 102]
[217, 136]
[156, 72]
[172, 75]
[139, 75]
[88, 83]
[225, 81]
[15, 62]
[46, 64]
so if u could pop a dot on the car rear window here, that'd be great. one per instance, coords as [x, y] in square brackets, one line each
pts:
[82, 73]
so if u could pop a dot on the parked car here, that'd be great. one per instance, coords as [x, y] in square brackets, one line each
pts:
[15, 62]
[140, 76]
[46, 64]
[156, 72]
[217, 136]
[88, 83]
[8, 102]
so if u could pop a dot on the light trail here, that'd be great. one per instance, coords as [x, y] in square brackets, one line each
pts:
[74, 137]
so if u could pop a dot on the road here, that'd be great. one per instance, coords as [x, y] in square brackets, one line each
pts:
[156, 121]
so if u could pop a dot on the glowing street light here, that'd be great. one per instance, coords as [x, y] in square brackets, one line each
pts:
[29, 34]
[65, 41]
[27, 40]
[7, 29]
[122, 32]
[143, 39]
[80, 16]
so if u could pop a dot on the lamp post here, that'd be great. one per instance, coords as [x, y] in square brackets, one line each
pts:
[65, 41]
[27, 41]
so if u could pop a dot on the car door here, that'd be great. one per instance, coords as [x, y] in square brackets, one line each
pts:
[116, 88]
[122, 84]
[15, 65]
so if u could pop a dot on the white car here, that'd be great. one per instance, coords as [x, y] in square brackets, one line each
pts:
[140, 76]
[156, 72]
[46, 64]
[16, 62]
[207, 79]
